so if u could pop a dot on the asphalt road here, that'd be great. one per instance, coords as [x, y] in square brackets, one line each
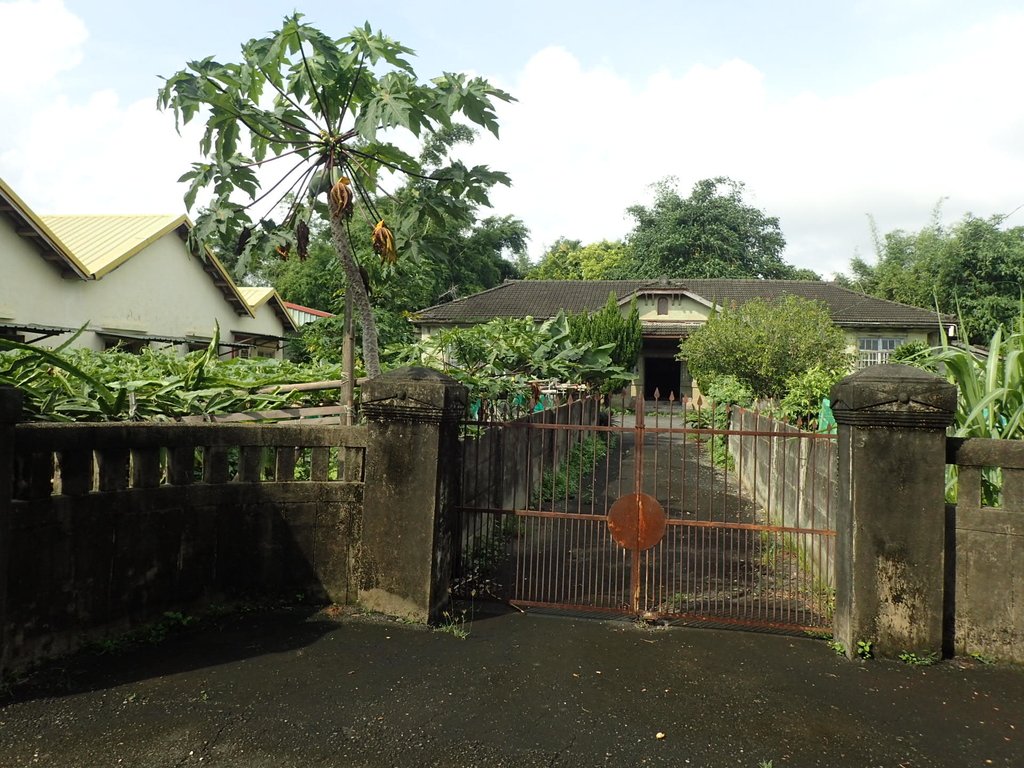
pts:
[298, 688]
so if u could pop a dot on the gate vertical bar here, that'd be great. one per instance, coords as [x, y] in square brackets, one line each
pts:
[638, 481]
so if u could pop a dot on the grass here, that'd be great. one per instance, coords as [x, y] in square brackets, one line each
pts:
[455, 624]
[150, 634]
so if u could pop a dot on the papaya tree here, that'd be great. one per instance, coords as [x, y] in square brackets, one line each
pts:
[313, 121]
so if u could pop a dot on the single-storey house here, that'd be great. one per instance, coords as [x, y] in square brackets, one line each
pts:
[671, 309]
[132, 281]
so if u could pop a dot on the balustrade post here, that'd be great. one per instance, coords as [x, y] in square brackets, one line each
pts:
[412, 479]
[890, 521]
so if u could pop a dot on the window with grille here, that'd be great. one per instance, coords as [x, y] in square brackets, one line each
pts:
[875, 351]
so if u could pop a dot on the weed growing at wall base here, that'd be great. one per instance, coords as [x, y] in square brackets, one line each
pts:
[919, 659]
[454, 623]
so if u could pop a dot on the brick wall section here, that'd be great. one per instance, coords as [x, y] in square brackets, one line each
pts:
[111, 525]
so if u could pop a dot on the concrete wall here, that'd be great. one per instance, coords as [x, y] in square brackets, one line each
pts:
[163, 290]
[110, 525]
[681, 308]
[985, 553]
[791, 475]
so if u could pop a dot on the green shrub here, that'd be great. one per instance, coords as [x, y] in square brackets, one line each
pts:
[805, 391]
[909, 352]
[500, 359]
[764, 344]
[726, 390]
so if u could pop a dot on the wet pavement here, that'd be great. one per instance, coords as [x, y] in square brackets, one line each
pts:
[302, 688]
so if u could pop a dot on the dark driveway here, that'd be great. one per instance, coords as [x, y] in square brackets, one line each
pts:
[293, 688]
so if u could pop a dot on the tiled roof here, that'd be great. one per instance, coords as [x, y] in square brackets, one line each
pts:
[545, 298]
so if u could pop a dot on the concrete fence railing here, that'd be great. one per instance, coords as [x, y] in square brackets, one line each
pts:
[105, 526]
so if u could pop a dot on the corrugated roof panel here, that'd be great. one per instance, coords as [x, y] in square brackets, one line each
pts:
[102, 243]
[254, 296]
[257, 296]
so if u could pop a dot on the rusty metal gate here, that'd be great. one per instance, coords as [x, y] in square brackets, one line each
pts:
[668, 510]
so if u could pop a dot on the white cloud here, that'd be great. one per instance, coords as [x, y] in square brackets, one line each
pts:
[41, 40]
[583, 144]
[111, 158]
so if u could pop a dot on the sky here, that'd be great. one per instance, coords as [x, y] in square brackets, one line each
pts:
[831, 114]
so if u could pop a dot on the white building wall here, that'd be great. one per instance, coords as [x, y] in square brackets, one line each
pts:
[162, 290]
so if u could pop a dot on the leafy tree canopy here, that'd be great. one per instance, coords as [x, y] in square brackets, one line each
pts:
[321, 112]
[974, 268]
[763, 344]
[712, 233]
[570, 260]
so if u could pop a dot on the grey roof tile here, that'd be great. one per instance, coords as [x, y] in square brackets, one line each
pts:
[542, 299]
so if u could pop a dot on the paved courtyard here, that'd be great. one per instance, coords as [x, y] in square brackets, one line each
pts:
[302, 688]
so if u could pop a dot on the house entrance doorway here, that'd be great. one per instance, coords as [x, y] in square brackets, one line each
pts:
[664, 375]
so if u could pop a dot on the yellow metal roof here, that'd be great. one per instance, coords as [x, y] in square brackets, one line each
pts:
[103, 243]
[256, 296]
[35, 228]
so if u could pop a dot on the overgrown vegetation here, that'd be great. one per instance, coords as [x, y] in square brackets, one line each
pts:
[990, 400]
[973, 268]
[83, 385]
[765, 344]
[608, 329]
[566, 480]
[504, 359]
[804, 392]
[990, 382]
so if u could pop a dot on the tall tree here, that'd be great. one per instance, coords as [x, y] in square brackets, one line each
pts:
[711, 233]
[324, 110]
[974, 269]
[571, 260]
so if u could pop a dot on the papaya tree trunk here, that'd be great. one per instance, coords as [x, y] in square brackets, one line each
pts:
[360, 299]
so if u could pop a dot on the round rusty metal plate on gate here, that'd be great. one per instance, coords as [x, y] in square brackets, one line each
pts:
[636, 521]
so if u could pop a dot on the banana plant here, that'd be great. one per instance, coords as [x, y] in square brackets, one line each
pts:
[990, 385]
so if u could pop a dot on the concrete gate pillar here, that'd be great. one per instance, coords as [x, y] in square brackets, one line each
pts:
[890, 520]
[412, 480]
[10, 412]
